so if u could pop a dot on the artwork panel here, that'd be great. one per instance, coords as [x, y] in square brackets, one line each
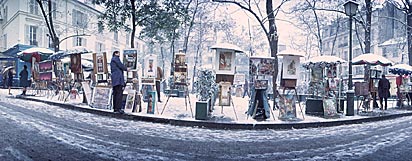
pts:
[290, 67]
[100, 95]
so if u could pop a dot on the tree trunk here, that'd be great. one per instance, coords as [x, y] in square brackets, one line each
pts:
[133, 6]
[273, 43]
[409, 33]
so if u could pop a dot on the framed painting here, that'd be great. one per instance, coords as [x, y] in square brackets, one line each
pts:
[130, 58]
[180, 78]
[87, 91]
[102, 97]
[287, 106]
[239, 79]
[75, 63]
[261, 84]
[329, 108]
[35, 70]
[151, 103]
[290, 67]
[150, 62]
[224, 93]
[180, 59]
[225, 62]
[148, 81]
[130, 101]
[316, 75]
[100, 63]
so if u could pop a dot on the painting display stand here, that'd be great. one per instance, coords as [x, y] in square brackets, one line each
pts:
[225, 97]
[259, 108]
[288, 107]
[187, 100]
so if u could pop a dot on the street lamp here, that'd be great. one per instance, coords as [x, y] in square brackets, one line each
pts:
[350, 10]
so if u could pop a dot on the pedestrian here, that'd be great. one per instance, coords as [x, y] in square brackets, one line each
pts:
[159, 78]
[383, 91]
[4, 77]
[118, 84]
[24, 79]
[10, 79]
[246, 89]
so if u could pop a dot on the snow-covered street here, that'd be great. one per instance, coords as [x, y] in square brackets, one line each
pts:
[37, 131]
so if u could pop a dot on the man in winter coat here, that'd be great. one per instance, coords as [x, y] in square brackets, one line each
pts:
[383, 91]
[117, 68]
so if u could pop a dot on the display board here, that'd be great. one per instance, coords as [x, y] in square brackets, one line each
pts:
[46, 70]
[287, 106]
[239, 79]
[35, 69]
[151, 103]
[290, 67]
[225, 61]
[102, 97]
[329, 108]
[130, 101]
[130, 58]
[100, 63]
[224, 93]
[76, 63]
[150, 62]
[87, 91]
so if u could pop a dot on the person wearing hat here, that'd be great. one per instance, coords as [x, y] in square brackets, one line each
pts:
[383, 91]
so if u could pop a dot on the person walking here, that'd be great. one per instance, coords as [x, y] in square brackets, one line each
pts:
[10, 79]
[24, 79]
[246, 89]
[117, 68]
[383, 91]
[159, 78]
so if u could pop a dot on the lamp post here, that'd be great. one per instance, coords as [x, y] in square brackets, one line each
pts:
[350, 10]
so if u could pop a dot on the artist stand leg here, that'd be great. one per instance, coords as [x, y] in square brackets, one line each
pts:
[301, 111]
[233, 105]
[187, 99]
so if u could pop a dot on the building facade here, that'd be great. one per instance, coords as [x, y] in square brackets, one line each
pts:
[388, 38]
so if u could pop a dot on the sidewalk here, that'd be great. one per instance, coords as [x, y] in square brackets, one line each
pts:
[176, 113]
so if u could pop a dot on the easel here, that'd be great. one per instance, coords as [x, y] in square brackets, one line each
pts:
[253, 98]
[187, 99]
[229, 98]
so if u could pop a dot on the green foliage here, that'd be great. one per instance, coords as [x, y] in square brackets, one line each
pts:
[205, 85]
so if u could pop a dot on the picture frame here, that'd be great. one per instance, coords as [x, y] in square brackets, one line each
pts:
[239, 79]
[151, 103]
[87, 91]
[290, 67]
[180, 59]
[150, 63]
[130, 58]
[329, 108]
[102, 97]
[287, 106]
[148, 81]
[316, 75]
[224, 93]
[261, 66]
[35, 70]
[100, 63]
[261, 84]
[76, 63]
[130, 101]
[225, 61]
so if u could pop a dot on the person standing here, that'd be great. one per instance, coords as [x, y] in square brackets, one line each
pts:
[117, 68]
[159, 78]
[24, 79]
[383, 91]
[10, 79]
[246, 89]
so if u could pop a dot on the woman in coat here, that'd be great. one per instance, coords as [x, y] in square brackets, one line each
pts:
[383, 91]
[24, 79]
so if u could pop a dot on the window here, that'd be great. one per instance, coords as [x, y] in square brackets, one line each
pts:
[116, 37]
[100, 47]
[33, 7]
[79, 41]
[4, 14]
[33, 35]
[79, 19]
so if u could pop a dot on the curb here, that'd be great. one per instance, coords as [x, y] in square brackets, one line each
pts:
[226, 126]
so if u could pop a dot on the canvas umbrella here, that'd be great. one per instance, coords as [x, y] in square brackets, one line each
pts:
[401, 69]
[7, 69]
[371, 59]
[40, 54]
[322, 61]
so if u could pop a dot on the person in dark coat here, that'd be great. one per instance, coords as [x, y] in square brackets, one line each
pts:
[117, 68]
[383, 91]
[24, 79]
[10, 79]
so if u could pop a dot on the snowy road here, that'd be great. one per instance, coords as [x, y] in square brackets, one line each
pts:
[37, 131]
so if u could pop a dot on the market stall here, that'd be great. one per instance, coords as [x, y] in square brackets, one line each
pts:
[368, 89]
[403, 84]
[325, 87]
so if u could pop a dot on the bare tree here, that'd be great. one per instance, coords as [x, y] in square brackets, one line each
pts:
[268, 25]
